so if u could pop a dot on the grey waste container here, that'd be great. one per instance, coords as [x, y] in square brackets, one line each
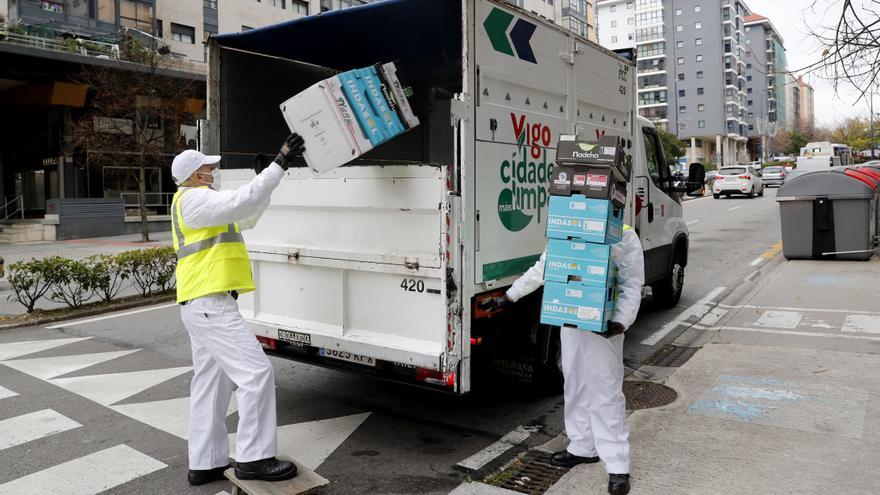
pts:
[827, 214]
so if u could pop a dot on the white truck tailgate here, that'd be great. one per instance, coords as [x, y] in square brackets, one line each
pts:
[351, 261]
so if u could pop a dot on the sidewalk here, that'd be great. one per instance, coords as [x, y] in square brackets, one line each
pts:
[782, 398]
[75, 249]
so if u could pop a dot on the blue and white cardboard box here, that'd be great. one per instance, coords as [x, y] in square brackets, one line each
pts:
[579, 217]
[580, 261]
[577, 305]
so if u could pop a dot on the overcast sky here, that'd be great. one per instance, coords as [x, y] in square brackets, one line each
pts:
[790, 18]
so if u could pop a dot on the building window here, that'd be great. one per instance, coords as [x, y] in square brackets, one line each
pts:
[748, 66]
[614, 24]
[751, 127]
[699, 58]
[698, 25]
[136, 14]
[699, 74]
[751, 102]
[160, 30]
[183, 34]
[701, 124]
[677, 11]
[631, 20]
[751, 115]
[681, 77]
[682, 110]
[748, 78]
[700, 91]
[698, 41]
[697, 9]
[629, 5]
[680, 44]
[630, 36]
[614, 39]
[302, 7]
[749, 91]
[679, 28]
[681, 93]
[245, 28]
[614, 8]
[209, 4]
[701, 107]
[748, 29]
[680, 60]
[279, 3]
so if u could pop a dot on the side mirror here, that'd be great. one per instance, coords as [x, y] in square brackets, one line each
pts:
[696, 177]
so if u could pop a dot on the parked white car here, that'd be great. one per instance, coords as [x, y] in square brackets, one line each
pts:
[738, 180]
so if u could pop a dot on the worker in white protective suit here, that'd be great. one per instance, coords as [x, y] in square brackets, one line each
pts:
[212, 269]
[592, 365]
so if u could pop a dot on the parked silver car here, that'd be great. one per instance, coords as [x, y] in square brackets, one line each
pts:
[773, 176]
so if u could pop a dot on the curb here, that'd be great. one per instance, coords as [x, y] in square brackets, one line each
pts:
[112, 308]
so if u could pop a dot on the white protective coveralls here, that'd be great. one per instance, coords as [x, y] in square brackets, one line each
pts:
[224, 350]
[592, 365]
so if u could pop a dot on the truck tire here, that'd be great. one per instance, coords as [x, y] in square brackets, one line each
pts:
[716, 196]
[667, 292]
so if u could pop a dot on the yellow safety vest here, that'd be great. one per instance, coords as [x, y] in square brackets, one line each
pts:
[211, 260]
[626, 227]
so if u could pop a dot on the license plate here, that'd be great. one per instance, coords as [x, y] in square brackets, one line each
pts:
[347, 356]
[294, 337]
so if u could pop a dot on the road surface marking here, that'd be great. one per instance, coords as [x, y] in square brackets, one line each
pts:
[490, 453]
[699, 308]
[33, 426]
[170, 416]
[797, 333]
[712, 317]
[87, 475]
[815, 310]
[757, 261]
[312, 442]
[51, 367]
[692, 222]
[110, 316]
[862, 324]
[779, 319]
[773, 251]
[5, 392]
[16, 349]
[734, 208]
[752, 276]
[114, 387]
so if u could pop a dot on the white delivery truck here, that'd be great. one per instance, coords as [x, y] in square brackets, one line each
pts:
[822, 155]
[379, 266]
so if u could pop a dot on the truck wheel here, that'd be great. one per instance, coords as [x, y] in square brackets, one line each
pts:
[667, 292]
[716, 196]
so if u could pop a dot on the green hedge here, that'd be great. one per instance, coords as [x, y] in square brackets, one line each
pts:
[74, 282]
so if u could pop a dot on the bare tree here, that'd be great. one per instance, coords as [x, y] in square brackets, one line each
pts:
[849, 43]
[134, 112]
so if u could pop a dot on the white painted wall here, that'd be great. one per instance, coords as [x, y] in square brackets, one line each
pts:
[186, 13]
[232, 15]
[616, 24]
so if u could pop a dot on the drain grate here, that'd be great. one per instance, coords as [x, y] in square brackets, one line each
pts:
[644, 395]
[672, 356]
[532, 474]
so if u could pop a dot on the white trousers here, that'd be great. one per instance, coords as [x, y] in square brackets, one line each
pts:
[225, 352]
[595, 408]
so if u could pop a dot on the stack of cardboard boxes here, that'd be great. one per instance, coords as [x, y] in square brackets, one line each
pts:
[343, 117]
[587, 199]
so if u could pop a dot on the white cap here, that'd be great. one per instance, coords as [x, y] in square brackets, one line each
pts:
[186, 163]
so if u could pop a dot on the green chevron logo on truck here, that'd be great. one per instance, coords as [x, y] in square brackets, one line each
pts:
[497, 24]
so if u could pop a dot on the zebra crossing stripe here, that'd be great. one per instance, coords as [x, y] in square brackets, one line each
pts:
[87, 475]
[113, 387]
[13, 350]
[51, 367]
[5, 392]
[33, 426]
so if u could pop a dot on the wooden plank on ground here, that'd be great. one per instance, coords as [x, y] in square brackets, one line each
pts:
[305, 481]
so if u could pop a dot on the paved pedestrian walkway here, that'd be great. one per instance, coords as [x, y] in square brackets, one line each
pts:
[781, 398]
[75, 249]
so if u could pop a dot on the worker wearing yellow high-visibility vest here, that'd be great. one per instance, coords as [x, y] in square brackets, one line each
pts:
[212, 269]
[592, 366]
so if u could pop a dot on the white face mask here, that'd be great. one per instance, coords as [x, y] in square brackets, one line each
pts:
[215, 179]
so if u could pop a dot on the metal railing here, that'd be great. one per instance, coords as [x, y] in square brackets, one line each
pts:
[69, 45]
[13, 207]
[157, 204]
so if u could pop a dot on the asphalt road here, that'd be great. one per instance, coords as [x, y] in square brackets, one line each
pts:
[364, 435]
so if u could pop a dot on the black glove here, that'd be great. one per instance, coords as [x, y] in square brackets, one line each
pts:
[293, 146]
[494, 303]
[614, 328]
[261, 161]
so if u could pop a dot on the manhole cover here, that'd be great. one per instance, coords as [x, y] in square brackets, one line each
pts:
[671, 356]
[643, 395]
[532, 473]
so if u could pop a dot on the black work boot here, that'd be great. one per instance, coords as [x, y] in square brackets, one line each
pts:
[270, 469]
[201, 476]
[618, 484]
[564, 458]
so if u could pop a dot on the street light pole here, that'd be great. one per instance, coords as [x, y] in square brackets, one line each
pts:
[871, 109]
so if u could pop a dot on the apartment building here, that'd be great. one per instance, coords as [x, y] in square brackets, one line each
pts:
[691, 67]
[578, 16]
[768, 102]
[807, 106]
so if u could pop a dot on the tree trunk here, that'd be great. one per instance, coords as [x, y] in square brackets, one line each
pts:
[142, 199]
